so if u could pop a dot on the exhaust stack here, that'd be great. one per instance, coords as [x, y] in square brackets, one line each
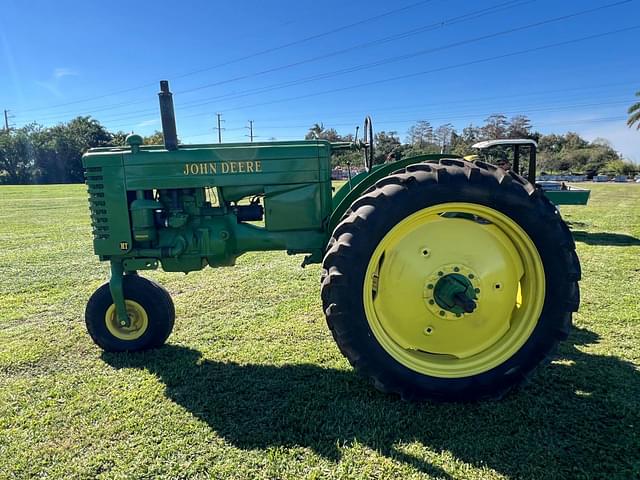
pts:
[167, 116]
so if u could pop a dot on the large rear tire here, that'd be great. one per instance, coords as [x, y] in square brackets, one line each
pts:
[450, 281]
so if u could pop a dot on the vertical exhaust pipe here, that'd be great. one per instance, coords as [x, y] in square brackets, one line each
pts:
[168, 116]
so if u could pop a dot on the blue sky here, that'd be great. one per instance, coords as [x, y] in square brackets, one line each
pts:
[288, 64]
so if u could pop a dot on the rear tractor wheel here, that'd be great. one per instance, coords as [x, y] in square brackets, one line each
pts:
[149, 308]
[450, 281]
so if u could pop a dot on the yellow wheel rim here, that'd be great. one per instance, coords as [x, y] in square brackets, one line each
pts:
[500, 264]
[138, 321]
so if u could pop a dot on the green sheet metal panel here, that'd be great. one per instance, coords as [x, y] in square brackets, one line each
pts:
[108, 206]
[293, 207]
[568, 197]
[228, 165]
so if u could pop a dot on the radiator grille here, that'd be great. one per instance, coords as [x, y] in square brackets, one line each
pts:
[97, 203]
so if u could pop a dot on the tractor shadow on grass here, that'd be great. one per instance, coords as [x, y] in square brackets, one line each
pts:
[577, 418]
[604, 238]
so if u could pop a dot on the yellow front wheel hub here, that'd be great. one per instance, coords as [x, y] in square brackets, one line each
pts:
[483, 311]
[138, 321]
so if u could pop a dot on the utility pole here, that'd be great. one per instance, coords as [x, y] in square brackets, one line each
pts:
[6, 120]
[250, 127]
[219, 128]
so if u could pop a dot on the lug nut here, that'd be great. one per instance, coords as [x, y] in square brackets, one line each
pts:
[442, 313]
[456, 269]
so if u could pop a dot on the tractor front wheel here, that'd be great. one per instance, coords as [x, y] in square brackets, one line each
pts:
[149, 308]
[450, 281]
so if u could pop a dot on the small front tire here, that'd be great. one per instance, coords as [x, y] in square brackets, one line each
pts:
[151, 314]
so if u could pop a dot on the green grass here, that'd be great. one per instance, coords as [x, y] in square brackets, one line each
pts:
[251, 384]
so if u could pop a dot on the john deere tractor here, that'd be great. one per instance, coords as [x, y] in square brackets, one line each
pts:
[442, 279]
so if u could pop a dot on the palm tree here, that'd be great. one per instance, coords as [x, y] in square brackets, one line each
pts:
[315, 131]
[634, 114]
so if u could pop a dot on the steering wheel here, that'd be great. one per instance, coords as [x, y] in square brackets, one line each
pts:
[368, 143]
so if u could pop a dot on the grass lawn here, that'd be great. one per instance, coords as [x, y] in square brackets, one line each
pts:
[251, 384]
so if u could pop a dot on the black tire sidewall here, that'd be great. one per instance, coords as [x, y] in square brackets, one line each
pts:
[152, 297]
[533, 215]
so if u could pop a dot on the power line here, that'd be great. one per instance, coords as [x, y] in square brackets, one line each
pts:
[413, 105]
[312, 37]
[474, 99]
[557, 122]
[439, 69]
[524, 109]
[133, 115]
[588, 120]
[432, 117]
[478, 101]
[432, 26]
[397, 58]
[245, 57]
[394, 59]
[520, 110]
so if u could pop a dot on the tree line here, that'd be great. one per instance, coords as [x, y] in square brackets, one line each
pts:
[557, 153]
[37, 154]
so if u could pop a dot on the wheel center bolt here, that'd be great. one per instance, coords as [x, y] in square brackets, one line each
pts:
[455, 293]
[452, 291]
[467, 304]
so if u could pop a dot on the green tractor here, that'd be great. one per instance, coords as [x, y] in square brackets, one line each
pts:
[442, 279]
[557, 191]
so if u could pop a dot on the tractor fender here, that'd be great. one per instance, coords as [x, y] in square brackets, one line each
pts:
[360, 183]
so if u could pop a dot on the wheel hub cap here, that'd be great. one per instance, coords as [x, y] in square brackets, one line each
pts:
[454, 290]
[138, 321]
[455, 293]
